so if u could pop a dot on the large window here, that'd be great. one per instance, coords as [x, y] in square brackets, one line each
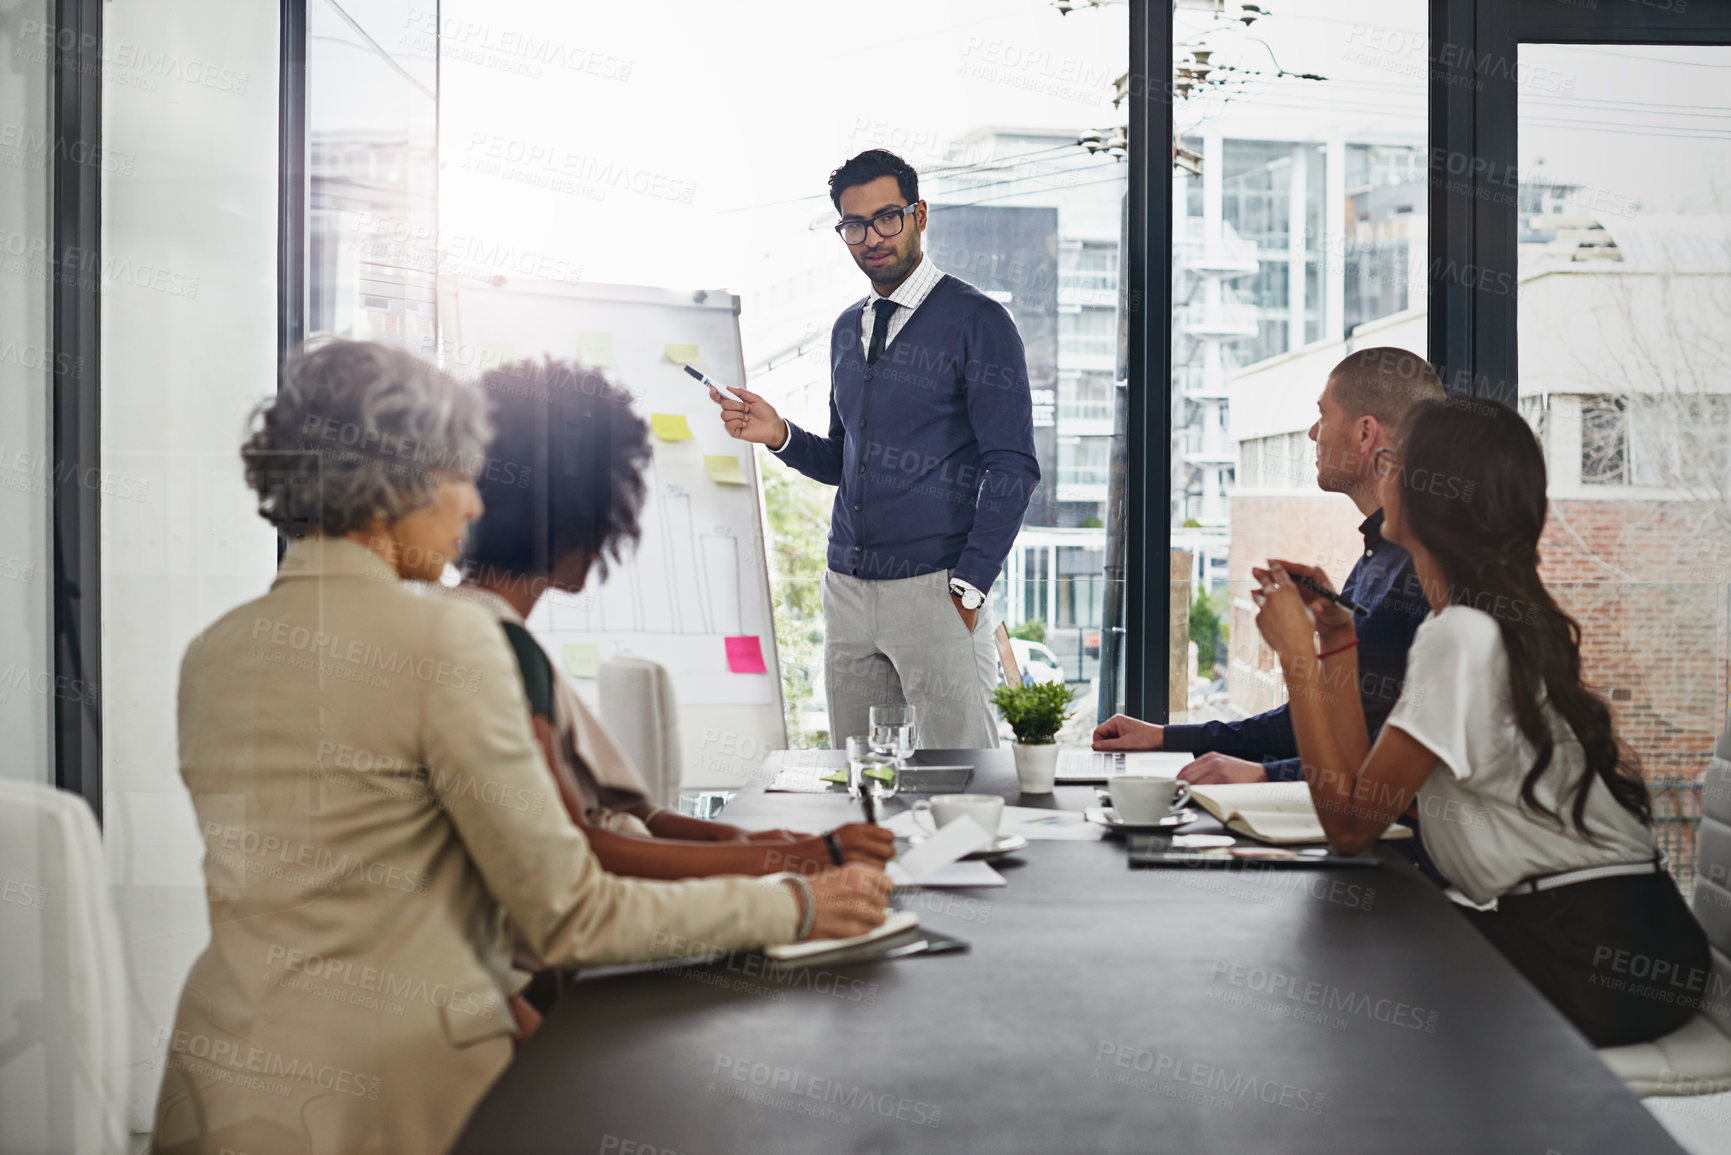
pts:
[1299, 233]
[1623, 296]
[1013, 128]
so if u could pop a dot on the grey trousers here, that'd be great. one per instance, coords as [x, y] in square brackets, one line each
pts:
[902, 642]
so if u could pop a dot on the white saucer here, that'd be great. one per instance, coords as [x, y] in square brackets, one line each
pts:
[1108, 817]
[1004, 844]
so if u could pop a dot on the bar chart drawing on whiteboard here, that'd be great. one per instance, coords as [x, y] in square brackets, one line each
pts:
[684, 580]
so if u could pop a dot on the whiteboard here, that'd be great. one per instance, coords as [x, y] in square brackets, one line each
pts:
[694, 595]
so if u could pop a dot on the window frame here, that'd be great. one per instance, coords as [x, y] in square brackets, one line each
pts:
[1473, 223]
[76, 406]
[1145, 496]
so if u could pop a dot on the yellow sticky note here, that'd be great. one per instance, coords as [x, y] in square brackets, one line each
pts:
[582, 659]
[670, 426]
[724, 470]
[595, 350]
[682, 354]
[494, 355]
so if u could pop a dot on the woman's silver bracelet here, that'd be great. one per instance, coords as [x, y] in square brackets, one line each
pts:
[809, 906]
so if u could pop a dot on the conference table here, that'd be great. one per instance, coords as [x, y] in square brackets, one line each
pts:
[1099, 1009]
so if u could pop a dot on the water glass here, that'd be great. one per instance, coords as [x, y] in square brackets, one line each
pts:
[863, 756]
[892, 732]
[883, 782]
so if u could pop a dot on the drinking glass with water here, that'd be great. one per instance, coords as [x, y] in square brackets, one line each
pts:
[869, 767]
[892, 732]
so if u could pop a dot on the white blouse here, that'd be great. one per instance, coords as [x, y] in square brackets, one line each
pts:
[1474, 825]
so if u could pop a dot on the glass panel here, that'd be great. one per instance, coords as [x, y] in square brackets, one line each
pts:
[1298, 234]
[189, 194]
[373, 251]
[1624, 298]
[27, 477]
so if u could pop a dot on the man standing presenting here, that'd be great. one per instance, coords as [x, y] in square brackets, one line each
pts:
[931, 448]
[1366, 398]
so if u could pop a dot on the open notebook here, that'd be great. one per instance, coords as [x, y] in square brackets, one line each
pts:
[896, 922]
[1278, 812]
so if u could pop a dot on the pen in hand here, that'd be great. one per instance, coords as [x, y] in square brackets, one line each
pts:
[699, 375]
[1340, 600]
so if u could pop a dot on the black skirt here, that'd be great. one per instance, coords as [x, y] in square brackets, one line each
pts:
[1623, 958]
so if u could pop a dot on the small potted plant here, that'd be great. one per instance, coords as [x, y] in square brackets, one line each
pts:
[1036, 711]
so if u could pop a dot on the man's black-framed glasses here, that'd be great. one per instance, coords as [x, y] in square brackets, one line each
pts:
[886, 224]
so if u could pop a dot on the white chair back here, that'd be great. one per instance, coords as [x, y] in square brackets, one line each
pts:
[1712, 901]
[64, 1013]
[639, 709]
[1695, 1059]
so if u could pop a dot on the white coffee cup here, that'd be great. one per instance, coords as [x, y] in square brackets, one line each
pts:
[984, 809]
[1146, 798]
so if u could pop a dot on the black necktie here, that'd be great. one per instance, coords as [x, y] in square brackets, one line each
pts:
[880, 328]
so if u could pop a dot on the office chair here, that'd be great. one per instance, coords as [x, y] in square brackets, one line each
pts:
[64, 1009]
[1685, 1077]
[638, 708]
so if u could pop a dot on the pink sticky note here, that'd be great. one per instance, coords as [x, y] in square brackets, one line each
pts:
[745, 656]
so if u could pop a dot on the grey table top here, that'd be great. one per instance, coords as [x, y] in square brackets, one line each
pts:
[1100, 1009]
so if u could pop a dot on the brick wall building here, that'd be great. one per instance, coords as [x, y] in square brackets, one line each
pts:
[1637, 577]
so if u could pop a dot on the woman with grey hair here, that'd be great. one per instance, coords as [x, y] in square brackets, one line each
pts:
[374, 806]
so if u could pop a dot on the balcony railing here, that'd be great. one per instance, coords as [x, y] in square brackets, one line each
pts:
[1070, 411]
[1226, 320]
[1088, 282]
[1087, 345]
[1084, 474]
[1228, 255]
[1192, 381]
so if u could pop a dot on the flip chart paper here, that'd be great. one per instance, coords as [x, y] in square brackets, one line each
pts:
[582, 659]
[670, 426]
[595, 350]
[745, 656]
[723, 469]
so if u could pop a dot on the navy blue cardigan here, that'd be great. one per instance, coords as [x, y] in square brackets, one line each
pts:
[932, 447]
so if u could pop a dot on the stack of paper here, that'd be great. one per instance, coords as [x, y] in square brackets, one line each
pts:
[935, 862]
[1279, 812]
[1034, 824]
[1038, 825]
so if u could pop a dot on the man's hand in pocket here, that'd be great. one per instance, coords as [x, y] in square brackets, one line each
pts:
[969, 617]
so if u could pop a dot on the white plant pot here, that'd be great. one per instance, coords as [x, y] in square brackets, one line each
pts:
[1036, 766]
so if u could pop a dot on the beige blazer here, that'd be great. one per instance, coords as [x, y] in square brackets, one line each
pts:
[373, 806]
[590, 761]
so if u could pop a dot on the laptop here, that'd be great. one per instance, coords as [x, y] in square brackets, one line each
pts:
[1077, 767]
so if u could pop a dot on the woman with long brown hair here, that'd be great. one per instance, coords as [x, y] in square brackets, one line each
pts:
[1529, 805]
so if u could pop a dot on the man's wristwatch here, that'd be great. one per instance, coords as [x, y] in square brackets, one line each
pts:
[971, 598]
